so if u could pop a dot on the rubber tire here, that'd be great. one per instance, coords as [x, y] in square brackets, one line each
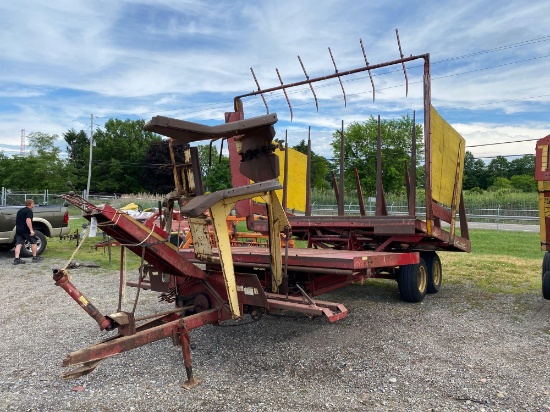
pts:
[6, 247]
[412, 281]
[546, 285]
[41, 243]
[433, 263]
[546, 263]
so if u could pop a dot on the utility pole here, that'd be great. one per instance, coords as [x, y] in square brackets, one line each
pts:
[90, 163]
[23, 142]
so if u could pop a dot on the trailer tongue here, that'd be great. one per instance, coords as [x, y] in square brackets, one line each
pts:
[212, 295]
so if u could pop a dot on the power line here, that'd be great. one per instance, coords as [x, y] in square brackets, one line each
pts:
[492, 67]
[508, 46]
[496, 101]
[510, 155]
[493, 144]
[417, 82]
[214, 106]
[211, 106]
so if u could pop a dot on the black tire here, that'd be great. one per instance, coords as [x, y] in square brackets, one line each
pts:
[41, 243]
[546, 263]
[435, 271]
[6, 247]
[546, 285]
[412, 281]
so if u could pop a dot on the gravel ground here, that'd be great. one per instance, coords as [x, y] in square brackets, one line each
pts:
[458, 350]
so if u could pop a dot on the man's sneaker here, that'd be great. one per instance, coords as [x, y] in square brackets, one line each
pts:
[36, 259]
[18, 261]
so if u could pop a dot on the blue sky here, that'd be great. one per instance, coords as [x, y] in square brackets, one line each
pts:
[62, 61]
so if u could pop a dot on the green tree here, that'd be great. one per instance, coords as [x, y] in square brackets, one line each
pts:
[525, 183]
[475, 172]
[320, 167]
[41, 169]
[78, 150]
[360, 152]
[20, 173]
[157, 175]
[5, 167]
[216, 171]
[49, 171]
[500, 183]
[207, 160]
[498, 167]
[524, 165]
[219, 175]
[118, 157]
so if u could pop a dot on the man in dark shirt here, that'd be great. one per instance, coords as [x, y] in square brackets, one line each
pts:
[25, 232]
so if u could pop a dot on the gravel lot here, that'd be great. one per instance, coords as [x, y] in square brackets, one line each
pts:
[458, 350]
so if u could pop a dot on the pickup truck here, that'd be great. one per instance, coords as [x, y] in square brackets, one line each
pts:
[48, 221]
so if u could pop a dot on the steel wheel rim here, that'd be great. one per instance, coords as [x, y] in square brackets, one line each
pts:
[28, 246]
[422, 278]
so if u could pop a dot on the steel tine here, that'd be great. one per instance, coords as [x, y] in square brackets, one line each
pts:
[403, 63]
[221, 150]
[308, 174]
[370, 73]
[342, 187]
[335, 187]
[310, 85]
[285, 178]
[284, 91]
[412, 174]
[259, 89]
[339, 79]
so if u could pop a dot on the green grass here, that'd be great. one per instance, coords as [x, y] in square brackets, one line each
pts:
[506, 243]
[501, 261]
[63, 249]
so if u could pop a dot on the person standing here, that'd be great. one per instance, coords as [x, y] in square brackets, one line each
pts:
[25, 232]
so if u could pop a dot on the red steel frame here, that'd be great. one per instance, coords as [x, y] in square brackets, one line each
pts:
[348, 256]
[328, 231]
[205, 290]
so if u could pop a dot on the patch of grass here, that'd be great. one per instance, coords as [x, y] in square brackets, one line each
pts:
[501, 261]
[63, 249]
[506, 243]
[492, 273]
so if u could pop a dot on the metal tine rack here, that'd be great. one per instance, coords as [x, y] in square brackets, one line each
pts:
[337, 74]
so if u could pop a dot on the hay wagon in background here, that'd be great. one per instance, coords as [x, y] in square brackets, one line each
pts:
[542, 176]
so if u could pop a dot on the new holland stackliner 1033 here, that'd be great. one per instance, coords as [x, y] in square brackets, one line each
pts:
[219, 276]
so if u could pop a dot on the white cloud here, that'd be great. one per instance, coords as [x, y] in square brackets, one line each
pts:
[486, 133]
[62, 61]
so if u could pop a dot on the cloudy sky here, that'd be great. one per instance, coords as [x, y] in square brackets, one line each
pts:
[64, 60]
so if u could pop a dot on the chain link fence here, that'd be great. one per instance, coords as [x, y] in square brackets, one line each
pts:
[494, 214]
[489, 215]
[10, 197]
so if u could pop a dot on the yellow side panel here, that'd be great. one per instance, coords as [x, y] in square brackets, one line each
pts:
[297, 169]
[448, 149]
[544, 157]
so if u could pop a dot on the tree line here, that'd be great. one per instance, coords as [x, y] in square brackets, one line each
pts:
[127, 159]
[499, 173]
